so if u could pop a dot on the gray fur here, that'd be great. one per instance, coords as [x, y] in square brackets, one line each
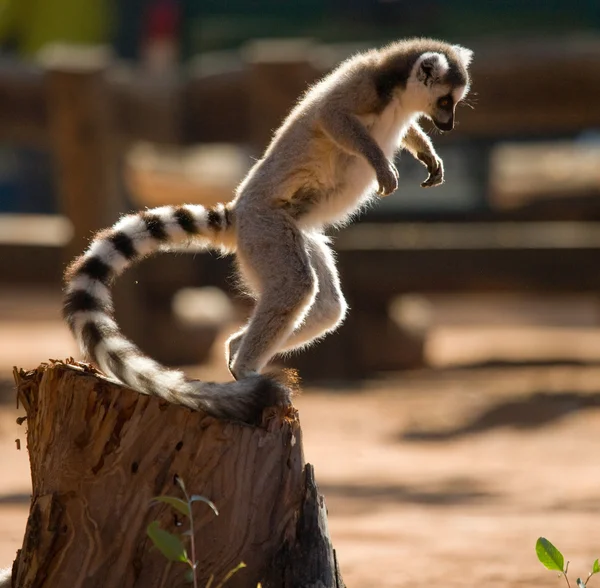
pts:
[326, 161]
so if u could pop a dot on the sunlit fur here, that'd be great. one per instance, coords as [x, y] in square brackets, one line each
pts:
[329, 158]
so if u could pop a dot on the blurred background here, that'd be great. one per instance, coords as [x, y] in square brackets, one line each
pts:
[461, 394]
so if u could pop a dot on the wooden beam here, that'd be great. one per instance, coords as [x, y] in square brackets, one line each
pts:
[81, 125]
[279, 71]
[518, 89]
[87, 157]
[216, 106]
[379, 261]
[539, 88]
[146, 107]
[23, 109]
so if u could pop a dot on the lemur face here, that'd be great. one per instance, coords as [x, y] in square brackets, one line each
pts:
[438, 83]
[443, 105]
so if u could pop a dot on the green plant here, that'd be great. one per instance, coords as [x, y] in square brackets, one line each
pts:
[171, 545]
[553, 559]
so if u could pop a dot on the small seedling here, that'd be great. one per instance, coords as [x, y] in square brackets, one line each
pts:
[554, 560]
[171, 545]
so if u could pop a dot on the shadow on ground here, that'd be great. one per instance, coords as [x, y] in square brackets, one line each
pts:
[534, 411]
[365, 497]
[515, 363]
[8, 391]
[18, 498]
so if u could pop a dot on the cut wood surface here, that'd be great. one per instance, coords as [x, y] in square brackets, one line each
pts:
[100, 452]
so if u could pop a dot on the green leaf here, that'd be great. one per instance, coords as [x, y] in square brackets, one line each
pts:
[168, 544]
[580, 584]
[197, 498]
[549, 556]
[178, 504]
[595, 567]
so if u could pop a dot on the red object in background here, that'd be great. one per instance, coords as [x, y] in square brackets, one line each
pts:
[160, 42]
[162, 20]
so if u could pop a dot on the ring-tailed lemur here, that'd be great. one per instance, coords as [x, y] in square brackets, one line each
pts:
[328, 158]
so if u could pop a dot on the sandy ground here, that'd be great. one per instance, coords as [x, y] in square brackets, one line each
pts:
[440, 477]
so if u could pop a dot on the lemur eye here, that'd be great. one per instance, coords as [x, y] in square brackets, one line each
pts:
[444, 102]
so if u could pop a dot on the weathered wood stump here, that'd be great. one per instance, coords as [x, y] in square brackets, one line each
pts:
[100, 452]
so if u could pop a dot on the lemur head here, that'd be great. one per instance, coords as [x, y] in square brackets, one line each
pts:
[438, 81]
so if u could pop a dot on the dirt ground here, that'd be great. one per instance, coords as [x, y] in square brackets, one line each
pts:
[440, 477]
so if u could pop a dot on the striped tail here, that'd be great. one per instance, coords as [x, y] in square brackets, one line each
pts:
[88, 310]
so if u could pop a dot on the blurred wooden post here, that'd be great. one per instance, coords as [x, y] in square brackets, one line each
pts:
[280, 72]
[82, 135]
[84, 143]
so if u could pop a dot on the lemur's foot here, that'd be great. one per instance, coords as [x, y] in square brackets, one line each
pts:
[239, 373]
[231, 349]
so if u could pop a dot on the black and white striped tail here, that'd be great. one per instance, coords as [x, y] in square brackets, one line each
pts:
[88, 310]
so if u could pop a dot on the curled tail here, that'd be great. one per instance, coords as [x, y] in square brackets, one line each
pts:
[88, 310]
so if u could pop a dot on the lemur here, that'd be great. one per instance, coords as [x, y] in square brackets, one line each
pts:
[330, 156]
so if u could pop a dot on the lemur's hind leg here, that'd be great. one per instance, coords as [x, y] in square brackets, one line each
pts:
[328, 309]
[272, 255]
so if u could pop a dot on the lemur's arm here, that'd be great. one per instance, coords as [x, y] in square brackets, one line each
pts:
[348, 133]
[420, 146]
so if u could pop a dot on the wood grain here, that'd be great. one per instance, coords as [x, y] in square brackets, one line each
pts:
[100, 452]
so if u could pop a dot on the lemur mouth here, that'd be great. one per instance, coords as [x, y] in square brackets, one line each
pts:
[444, 126]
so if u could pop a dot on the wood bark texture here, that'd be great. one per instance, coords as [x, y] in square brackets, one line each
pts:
[100, 452]
[308, 560]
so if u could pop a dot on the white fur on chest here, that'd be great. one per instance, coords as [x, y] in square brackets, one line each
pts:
[388, 127]
[359, 183]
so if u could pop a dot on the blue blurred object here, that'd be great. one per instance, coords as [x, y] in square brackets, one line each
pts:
[26, 181]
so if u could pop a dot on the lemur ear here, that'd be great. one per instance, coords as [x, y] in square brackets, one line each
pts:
[431, 67]
[465, 55]
[427, 67]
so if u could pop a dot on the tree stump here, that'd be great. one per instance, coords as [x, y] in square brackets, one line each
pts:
[100, 453]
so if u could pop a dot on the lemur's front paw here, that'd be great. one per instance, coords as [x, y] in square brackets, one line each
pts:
[387, 178]
[435, 167]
